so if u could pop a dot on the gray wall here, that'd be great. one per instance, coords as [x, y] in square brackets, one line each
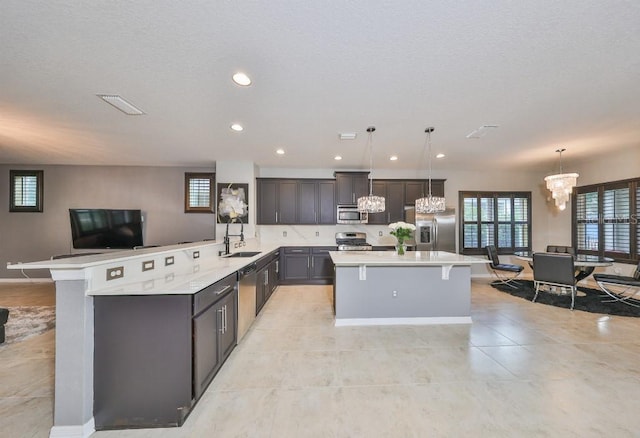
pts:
[157, 191]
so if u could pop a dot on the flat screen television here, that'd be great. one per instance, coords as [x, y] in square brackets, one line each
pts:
[99, 228]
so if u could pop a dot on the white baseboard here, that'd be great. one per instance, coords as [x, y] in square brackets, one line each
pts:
[343, 322]
[26, 280]
[83, 431]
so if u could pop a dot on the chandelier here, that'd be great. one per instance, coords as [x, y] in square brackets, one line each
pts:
[561, 184]
[430, 204]
[371, 204]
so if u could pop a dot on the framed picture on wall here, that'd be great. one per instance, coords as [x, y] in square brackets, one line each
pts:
[233, 203]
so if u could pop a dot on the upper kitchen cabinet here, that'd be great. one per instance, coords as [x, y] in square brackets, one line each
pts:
[316, 202]
[419, 188]
[350, 186]
[277, 201]
[393, 192]
[290, 202]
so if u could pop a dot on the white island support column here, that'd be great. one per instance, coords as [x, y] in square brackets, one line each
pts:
[421, 287]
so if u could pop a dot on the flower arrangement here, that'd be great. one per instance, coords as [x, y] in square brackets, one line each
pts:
[402, 231]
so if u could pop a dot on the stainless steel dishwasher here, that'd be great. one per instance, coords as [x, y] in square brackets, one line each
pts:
[246, 298]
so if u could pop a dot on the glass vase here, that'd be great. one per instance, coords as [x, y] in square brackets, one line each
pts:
[400, 248]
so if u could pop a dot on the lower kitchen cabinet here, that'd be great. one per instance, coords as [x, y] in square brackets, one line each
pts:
[154, 355]
[266, 278]
[214, 330]
[307, 265]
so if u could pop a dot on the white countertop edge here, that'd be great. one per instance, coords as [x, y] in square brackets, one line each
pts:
[410, 258]
[349, 322]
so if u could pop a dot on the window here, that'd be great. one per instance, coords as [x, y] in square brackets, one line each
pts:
[502, 219]
[26, 190]
[605, 220]
[198, 192]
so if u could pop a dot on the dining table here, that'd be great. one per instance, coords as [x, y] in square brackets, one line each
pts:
[584, 263]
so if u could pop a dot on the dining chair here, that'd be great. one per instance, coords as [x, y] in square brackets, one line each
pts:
[556, 270]
[500, 270]
[621, 288]
[561, 249]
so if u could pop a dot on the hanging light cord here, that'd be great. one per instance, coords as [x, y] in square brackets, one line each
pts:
[370, 130]
[429, 131]
[561, 151]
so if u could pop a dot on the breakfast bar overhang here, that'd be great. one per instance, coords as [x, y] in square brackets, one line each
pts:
[419, 287]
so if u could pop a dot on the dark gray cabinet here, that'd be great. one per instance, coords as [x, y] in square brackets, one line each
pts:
[214, 330]
[307, 265]
[277, 200]
[350, 186]
[142, 360]
[393, 192]
[154, 355]
[290, 202]
[267, 278]
[416, 189]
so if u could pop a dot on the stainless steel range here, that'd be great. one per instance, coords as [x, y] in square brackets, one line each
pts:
[352, 242]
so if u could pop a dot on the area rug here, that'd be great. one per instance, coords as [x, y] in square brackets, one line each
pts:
[26, 322]
[587, 299]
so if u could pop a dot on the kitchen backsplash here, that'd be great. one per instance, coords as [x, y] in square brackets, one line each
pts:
[321, 234]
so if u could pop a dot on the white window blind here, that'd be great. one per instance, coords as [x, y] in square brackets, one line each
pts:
[25, 190]
[199, 192]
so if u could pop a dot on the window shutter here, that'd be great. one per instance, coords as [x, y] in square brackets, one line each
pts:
[616, 217]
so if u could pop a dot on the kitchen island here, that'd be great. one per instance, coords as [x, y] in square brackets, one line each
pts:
[140, 333]
[419, 287]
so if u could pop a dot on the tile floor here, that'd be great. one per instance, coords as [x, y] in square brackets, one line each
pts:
[521, 369]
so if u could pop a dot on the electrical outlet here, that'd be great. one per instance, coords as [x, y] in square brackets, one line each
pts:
[380, 233]
[196, 254]
[113, 273]
[168, 261]
[196, 268]
[394, 294]
[284, 234]
[169, 277]
[317, 233]
[148, 265]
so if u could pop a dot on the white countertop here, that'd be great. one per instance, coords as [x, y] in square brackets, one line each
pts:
[410, 258]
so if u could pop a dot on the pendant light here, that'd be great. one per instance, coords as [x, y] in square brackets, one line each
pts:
[371, 204]
[430, 204]
[561, 184]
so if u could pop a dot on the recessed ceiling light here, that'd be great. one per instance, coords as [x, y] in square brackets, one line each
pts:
[393, 158]
[337, 158]
[121, 104]
[237, 127]
[440, 156]
[348, 136]
[241, 79]
[280, 151]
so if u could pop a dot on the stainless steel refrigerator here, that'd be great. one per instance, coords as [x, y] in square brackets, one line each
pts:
[434, 231]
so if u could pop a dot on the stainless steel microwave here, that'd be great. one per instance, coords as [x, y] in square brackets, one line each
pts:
[349, 214]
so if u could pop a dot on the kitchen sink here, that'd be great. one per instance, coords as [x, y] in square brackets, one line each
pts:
[242, 254]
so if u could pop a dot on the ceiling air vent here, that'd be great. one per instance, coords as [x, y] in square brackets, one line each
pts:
[481, 131]
[121, 104]
[348, 135]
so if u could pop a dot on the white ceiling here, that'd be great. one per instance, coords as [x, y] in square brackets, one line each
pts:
[549, 73]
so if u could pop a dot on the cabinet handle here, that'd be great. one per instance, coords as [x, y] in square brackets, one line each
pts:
[223, 290]
[297, 250]
[276, 217]
[266, 278]
[353, 198]
[225, 318]
[312, 261]
[307, 262]
[277, 266]
[221, 310]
